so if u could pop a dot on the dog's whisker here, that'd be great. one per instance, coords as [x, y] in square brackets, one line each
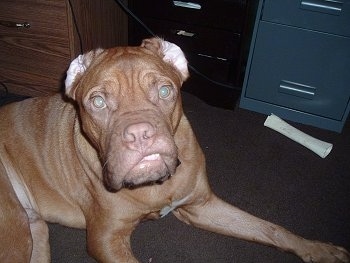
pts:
[106, 160]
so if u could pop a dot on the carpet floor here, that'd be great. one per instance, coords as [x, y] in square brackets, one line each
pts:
[256, 169]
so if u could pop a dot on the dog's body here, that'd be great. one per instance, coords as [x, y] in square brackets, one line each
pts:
[122, 153]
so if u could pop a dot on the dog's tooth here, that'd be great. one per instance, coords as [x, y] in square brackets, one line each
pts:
[151, 157]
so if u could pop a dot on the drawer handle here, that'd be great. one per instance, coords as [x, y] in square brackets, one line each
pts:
[14, 24]
[297, 89]
[323, 6]
[184, 33]
[211, 57]
[190, 5]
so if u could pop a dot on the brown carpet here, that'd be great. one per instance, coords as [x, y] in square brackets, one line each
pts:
[257, 170]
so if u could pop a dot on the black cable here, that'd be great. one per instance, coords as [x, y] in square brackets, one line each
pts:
[76, 26]
[5, 89]
[138, 20]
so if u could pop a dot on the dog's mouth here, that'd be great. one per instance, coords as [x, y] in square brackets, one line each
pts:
[151, 169]
[131, 185]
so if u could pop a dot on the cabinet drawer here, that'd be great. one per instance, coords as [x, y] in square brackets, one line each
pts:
[321, 15]
[300, 69]
[33, 58]
[219, 70]
[220, 44]
[216, 13]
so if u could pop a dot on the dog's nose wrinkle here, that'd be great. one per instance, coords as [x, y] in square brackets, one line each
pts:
[139, 135]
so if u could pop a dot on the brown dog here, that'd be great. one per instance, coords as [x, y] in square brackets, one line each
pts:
[120, 152]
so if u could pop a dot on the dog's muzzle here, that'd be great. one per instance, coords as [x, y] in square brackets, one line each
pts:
[141, 180]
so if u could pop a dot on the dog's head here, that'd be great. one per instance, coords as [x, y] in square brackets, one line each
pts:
[130, 108]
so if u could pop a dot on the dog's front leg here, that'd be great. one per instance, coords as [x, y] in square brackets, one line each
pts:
[215, 215]
[107, 242]
[40, 236]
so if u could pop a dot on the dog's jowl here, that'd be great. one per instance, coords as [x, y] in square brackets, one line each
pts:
[115, 149]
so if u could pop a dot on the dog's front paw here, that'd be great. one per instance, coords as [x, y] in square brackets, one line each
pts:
[325, 253]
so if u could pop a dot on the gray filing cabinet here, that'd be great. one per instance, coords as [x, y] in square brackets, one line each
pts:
[299, 62]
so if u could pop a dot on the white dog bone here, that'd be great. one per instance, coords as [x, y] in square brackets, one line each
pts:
[319, 147]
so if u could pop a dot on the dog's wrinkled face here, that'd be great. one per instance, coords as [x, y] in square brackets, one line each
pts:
[130, 99]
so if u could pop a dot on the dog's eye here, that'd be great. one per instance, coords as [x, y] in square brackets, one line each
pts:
[164, 92]
[99, 102]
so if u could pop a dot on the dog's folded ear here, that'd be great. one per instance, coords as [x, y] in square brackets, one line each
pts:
[76, 69]
[170, 53]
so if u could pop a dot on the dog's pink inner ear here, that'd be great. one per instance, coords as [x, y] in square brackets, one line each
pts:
[170, 52]
[153, 44]
[76, 69]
